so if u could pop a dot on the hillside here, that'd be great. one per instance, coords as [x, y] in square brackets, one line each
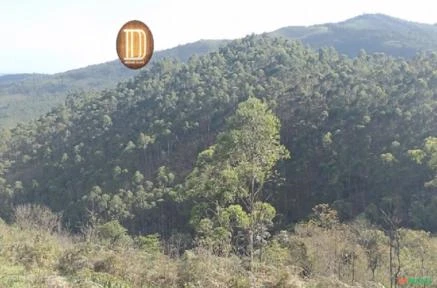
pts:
[356, 129]
[24, 97]
[369, 32]
[268, 162]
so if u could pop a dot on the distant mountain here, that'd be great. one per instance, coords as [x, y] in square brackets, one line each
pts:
[99, 76]
[370, 32]
[25, 96]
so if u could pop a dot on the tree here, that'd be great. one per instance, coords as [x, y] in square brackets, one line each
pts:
[235, 169]
[391, 228]
[430, 148]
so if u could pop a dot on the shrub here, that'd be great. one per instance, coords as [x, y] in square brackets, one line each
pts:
[200, 268]
[39, 252]
[113, 232]
[92, 279]
[149, 243]
[73, 260]
[37, 217]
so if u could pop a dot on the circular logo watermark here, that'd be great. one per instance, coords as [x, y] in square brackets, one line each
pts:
[134, 44]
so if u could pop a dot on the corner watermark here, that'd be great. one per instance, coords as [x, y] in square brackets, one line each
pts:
[425, 281]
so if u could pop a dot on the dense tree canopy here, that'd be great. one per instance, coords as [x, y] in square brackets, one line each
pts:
[24, 97]
[352, 125]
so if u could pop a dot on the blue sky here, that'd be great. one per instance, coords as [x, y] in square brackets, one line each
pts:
[49, 36]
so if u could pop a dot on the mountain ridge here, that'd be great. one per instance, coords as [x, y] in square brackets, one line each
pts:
[31, 95]
[373, 33]
[205, 44]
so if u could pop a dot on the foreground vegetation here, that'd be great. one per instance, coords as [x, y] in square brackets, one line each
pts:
[321, 252]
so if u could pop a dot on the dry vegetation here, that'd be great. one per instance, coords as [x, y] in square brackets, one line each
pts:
[318, 253]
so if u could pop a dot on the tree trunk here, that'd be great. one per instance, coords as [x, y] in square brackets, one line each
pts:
[252, 228]
[398, 256]
[251, 249]
[353, 266]
[390, 262]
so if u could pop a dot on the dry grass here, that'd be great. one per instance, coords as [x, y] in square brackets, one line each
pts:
[312, 256]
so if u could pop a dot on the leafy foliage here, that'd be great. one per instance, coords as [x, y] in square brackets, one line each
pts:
[124, 154]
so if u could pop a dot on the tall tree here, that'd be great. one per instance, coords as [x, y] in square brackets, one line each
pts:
[235, 169]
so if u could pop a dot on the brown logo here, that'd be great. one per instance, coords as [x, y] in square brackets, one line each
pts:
[134, 44]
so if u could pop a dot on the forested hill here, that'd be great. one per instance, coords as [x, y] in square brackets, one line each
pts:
[359, 132]
[26, 96]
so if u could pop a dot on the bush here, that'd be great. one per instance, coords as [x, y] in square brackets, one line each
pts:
[37, 217]
[73, 260]
[110, 264]
[113, 232]
[149, 243]
[200, 268]
[92, 279]
[39, 252]
[177, 243]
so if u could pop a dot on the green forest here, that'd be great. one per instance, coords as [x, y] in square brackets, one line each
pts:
[263, 164]
[24, 97]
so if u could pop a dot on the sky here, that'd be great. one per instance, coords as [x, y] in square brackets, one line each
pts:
[50, 36]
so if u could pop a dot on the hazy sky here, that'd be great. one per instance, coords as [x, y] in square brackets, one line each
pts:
[49, 36]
